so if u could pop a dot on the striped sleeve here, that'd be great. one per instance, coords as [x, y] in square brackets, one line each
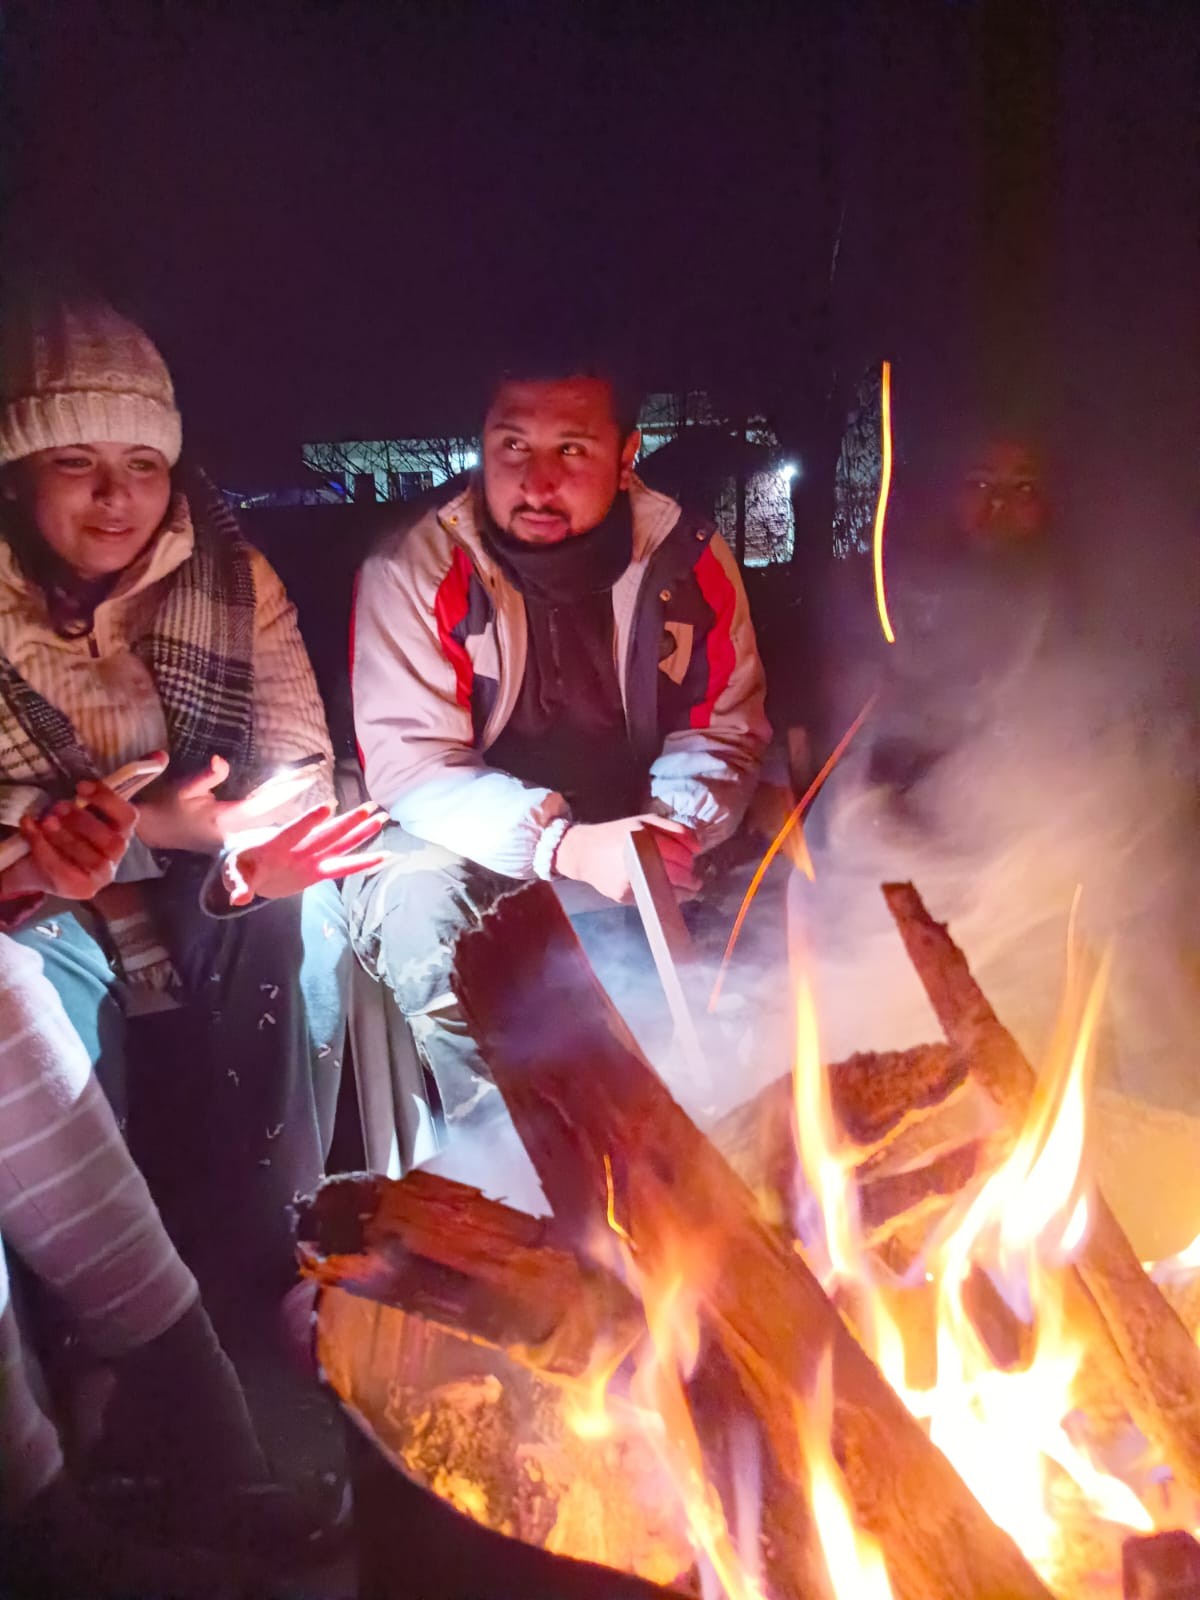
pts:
[30, 1453]
[72, 1203]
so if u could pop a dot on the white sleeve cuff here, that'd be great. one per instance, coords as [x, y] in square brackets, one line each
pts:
[547, 846]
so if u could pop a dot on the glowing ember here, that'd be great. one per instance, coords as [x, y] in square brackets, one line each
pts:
[885, 486]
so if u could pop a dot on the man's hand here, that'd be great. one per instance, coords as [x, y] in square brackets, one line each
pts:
[188, 816]
[74, 850]
[594, 852]
[316, 846]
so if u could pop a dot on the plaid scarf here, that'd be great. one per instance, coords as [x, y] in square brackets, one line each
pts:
[200, 653]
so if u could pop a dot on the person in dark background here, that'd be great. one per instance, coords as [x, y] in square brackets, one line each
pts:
[978, 589]
[978, 594]
[1016, 754]
[547, 658]
[1000, 502]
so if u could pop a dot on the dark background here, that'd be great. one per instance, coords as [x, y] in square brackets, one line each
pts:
[325, 213]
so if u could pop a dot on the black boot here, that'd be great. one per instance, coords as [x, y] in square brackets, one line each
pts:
[61, 1547]
[177, 1413]
[181, 1461]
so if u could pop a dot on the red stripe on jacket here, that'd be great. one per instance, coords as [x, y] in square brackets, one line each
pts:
[720, 596]
[450, 610]
[358, 749]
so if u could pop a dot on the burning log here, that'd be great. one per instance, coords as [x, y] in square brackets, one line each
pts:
[1165, 1566]
[608, 1141]
[873, 1093]
[1159, 1358]
[443, 1251]
[913, 1114]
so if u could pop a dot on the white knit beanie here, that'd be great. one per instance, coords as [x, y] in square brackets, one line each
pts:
[82, 374]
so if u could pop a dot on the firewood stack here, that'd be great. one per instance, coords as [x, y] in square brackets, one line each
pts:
[614, 1153]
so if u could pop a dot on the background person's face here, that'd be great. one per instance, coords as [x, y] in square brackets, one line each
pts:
[553, 458]
[999, 500]
[96, 505]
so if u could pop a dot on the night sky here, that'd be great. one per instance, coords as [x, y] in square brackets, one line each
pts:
[325, 212]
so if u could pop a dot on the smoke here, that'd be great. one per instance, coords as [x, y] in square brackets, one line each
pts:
[1081, 773]
[745, 1043]
[490, 1157]
[742, 1048]
[1075, 772]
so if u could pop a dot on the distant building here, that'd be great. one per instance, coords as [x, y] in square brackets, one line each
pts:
[389, 469]
[734, 472]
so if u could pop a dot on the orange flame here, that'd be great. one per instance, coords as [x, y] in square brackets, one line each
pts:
[1008, 1433]
[586, 1409]
[885, 488]
[853, 1559]
[835, 1257]
[1005, 1431]
[777, 844]
[1012, 1434]
[671, 1316]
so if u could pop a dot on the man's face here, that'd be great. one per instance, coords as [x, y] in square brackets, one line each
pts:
[998, 501]
[553, 458]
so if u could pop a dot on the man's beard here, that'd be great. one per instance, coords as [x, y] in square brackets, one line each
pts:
[566, 530]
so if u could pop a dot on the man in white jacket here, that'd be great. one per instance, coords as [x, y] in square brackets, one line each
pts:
[545, 656]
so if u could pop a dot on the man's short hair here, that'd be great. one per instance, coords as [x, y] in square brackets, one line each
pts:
[550, 359]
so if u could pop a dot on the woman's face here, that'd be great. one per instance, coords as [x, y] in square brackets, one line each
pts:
[96, 505]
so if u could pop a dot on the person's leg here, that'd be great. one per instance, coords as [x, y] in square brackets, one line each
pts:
[404, 923]
[325, 972]
[50, 1541]
[260, 1037]
[78, 966]
[76, 1209]
[30, 1454]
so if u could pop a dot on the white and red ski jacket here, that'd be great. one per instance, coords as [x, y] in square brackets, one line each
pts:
[437, 656]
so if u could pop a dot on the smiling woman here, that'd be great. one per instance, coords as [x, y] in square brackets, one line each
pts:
[134, 618]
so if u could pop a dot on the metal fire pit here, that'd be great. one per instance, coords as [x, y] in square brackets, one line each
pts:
[392, 1373]
[413, 1546]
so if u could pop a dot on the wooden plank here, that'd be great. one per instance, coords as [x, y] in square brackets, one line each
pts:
[609, 1142]
[670, 946]
[445, 1252]
[1159, 1359]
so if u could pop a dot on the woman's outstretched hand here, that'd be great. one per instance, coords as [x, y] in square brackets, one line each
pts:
[315, 847]
[187, 815]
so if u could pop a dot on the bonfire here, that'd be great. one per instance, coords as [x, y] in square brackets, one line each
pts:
[875, 1333]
